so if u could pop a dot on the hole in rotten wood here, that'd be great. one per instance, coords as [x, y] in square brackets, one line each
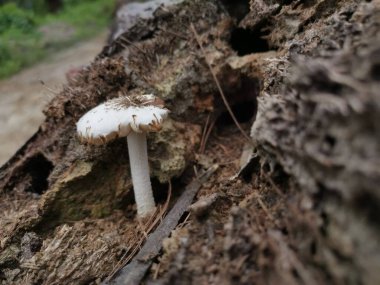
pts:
[328, 144]
[243, 103]
[37, 171]
[368, 205]
[375, 71]
[160, 190]
[245, 41]
[244, 112]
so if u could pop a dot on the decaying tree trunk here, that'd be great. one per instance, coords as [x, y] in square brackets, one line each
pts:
[304, 209]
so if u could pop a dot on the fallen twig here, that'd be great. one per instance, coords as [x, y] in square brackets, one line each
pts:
[200, 207]
[135, 271]
[211, 126]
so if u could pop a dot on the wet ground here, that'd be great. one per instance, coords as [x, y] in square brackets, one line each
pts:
[23, 96]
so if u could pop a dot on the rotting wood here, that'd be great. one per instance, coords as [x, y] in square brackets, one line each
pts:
[135, 271]
[330, 228]
[196, 35]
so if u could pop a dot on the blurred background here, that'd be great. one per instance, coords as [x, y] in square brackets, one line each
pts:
[33, 29]
[42, 44]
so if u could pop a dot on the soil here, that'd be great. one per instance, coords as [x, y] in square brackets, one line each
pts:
[295, 204]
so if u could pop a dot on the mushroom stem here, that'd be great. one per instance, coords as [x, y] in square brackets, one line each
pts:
[138, 158]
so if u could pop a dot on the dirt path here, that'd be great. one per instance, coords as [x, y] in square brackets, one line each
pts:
[22, 97]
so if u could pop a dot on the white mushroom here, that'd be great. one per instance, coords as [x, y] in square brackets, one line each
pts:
[132, 117]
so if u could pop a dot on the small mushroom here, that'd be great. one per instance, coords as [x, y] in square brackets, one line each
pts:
[132, 117]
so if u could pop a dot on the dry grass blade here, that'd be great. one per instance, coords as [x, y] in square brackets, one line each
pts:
[212, 124]
[181, 225]
[206, 133]
[274, 186]
[201, 147]
[265, 208]
[197, 38]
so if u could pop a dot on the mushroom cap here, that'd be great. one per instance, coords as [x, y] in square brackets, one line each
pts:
[120, 116]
